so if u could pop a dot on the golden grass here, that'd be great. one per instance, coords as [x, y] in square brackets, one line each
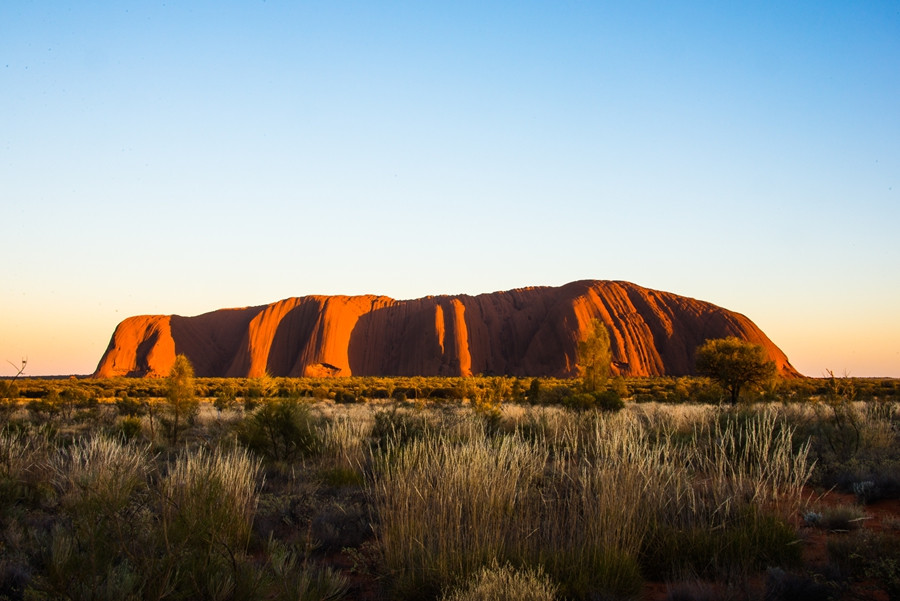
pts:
[580, 496]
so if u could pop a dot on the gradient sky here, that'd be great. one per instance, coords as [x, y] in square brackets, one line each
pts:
[181, 157]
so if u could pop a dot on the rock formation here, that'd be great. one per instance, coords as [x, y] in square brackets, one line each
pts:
[522, 332]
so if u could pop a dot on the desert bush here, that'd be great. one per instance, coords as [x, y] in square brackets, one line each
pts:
[129, 427]
[504, 584]
[282, 429]
[341, 524]
[263, 387]
[865, 555]
[41, 410]
[130, 407]
[97, 551]
[181, 401]
[8, 390]
[345, 396]
[557, 394]
[489, 409]
[840, 421]
[9, 393]
[856, 443]
[603, 400]
[75, 571]
[225, 397]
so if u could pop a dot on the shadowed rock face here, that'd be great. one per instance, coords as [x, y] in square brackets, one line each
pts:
[522, 332]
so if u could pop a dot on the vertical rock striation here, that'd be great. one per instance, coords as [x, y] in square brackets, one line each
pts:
[522, 332]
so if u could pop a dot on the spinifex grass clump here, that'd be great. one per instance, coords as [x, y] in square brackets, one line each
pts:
[594, 507]
[504, 584]
[445, 509]
[346, 439]
[100, 474]
[210, 499]
[23, 461]
[730, 510]
[100, 548]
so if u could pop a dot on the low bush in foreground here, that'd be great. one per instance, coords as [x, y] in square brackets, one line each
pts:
[453, 491]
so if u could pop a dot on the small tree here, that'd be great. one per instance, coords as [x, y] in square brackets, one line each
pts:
[594, 357]
[9, 391]
[182, 404]
[734, 364]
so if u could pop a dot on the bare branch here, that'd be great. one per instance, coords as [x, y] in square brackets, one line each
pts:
[19, 370]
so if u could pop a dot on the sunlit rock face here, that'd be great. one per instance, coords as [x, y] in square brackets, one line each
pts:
[522, 332]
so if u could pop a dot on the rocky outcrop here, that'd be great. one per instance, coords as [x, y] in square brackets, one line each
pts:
[522, 332]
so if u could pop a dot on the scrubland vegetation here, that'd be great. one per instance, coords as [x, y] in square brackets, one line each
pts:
[447, 488]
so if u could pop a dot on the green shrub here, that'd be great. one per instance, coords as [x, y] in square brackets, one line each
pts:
[609, 400]
[129, 427]
[344, 396]
[865, 555]
[282, 429]
[8, 390]
[604, 400]
[130, 407]
[182, 405]
[533, 395]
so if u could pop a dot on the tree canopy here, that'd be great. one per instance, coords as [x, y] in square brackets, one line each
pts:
[594, 356]
[734, 364]
[182, 402]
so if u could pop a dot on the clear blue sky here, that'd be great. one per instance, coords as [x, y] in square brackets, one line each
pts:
[181, 157]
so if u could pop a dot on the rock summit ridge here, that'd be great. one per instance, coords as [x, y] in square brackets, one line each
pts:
[522, 332]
